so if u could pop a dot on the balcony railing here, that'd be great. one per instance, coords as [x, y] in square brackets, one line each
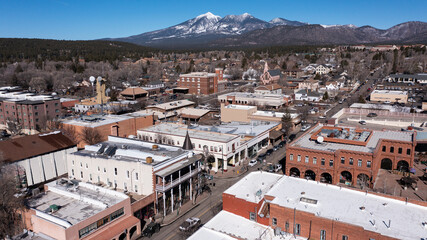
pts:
[175, 182]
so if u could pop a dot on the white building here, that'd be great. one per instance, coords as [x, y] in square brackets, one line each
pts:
[307, 95]
[224, 145]
[322, 69]
[137, 167]
[270, 100]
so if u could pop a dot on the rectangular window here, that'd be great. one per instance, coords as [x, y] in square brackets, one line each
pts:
[408, 151]
[359, 162]
[322, 235]
[315, 160]
[384, 148]
[368, 164]
[299, 158]
[127, 174]
[342, 160]
[350, 161]
[274, 221]
[115, 171]
[297, 229]
[291, 157]
[306, 159]
[322, 162]
[136, 176]
[344, 237]
[81, 174]
[392, 149]
[331, 163]
[400, 150]
[252, 216]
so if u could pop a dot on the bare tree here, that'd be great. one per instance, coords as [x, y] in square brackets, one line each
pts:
[13, 127]
[90, 135]
[10, 205]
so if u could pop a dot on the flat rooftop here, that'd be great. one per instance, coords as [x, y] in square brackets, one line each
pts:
[254, 128]
[392, 92]
[73, 202]
[254, 186]
[126, 149]
[198, 74]
[383, 215]
[305, 141]
[227, 226]
[6, 95]
[172, 105]
[386, 107]
[194, 132]
[274, 114]
[240, 107]
[96, 120]
[255, 95]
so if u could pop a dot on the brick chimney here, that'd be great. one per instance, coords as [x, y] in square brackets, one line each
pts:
[115, 130]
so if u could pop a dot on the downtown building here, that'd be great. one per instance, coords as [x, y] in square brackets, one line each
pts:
[157, 177]
[348, 155]
[29, 110]
[272, 206]
[224, 145]
[202, 83]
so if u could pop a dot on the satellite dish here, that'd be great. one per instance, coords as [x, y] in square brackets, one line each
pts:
[320, 139]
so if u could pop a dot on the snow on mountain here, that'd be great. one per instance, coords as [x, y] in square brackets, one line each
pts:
[282, 21]
[338, 25]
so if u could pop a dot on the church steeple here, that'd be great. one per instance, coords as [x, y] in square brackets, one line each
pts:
[187, 142]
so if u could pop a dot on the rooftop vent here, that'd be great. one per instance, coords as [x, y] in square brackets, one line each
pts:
[362, 208]
[155, 147]
[308, 200]
[149, 160]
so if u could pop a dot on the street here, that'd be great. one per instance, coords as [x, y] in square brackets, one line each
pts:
[213, 204]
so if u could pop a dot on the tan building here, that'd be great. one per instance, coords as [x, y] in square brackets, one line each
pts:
[390, 96]
[116, 125]
[243, 113]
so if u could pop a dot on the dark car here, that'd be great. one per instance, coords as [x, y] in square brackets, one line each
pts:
[372, 115]
[269, 152]
[282, 143]
[151, 228]
[261, 157]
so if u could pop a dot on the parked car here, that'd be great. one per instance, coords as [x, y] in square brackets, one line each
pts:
[340, 101]
[275, 148]
[269, 152]
[372, 115]
[261, 157]
[253, 162]
[151, 228]
[362, 122]
[305, 128]
[190, 224]
[281, 144]
[387, 102]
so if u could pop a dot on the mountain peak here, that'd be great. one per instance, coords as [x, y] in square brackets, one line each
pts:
[208, 15]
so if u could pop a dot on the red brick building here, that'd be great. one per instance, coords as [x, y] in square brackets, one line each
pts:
[295, 208]
[29, 110]
[348, 155]
[202, 82]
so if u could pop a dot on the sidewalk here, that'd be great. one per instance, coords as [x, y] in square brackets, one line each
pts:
[186, 207]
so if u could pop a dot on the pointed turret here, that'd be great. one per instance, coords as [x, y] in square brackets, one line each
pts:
[187, 143]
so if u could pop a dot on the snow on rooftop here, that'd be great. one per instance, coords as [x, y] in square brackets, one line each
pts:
[98, 120]
[383, 215]
[172, 105]
[226, 226]
[240, 107]
[253, 187]
[274, 114]
[394, 92]
[305, 142]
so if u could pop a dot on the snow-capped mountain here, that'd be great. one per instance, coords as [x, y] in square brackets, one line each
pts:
[209, 30]
[282, 21]
[205, 27]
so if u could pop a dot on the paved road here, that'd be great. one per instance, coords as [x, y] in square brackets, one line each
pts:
[213, 204]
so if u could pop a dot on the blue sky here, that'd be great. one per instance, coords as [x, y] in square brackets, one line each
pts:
[93, 19]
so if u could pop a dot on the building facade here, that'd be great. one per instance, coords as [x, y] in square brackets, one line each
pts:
[272, 206]
[29, 110]
[389, 96]
[243, 98]
[201, 83]
[69, 210]
[347, 155]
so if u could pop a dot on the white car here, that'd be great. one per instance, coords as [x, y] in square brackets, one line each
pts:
[305, 128]
[189, 224]
[277, 167]
[253, 162]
